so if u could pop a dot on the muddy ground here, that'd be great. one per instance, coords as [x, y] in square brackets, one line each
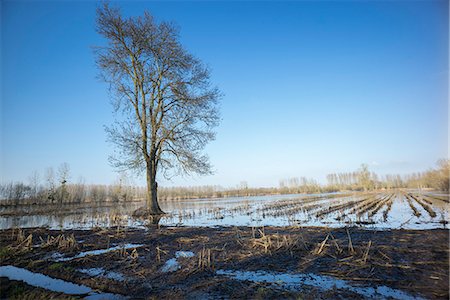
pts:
[413, 261]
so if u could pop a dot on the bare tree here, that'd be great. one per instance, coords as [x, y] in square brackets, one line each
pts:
[63, 178]
[168, 106]
[50, 184]
[34, 180]
[364, 177]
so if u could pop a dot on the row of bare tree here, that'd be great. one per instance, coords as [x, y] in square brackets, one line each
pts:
[360, 180]
[363, 179]
[20, 193]
[57, 188]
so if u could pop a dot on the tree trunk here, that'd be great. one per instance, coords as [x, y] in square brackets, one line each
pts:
[152, 193]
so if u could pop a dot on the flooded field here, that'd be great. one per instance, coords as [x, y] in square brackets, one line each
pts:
[387, 210]
[385, 245]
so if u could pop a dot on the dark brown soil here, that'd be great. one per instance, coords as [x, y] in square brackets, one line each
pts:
[414, 261]
[12, 289]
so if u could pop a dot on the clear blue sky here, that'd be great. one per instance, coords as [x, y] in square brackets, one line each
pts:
[310, 87]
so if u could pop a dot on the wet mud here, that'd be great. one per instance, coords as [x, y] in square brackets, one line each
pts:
[233, 262]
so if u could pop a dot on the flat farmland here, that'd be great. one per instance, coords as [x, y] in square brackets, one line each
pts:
[377, 210]
[350, 245]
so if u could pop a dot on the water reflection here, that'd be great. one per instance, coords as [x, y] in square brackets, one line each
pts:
[384, 210]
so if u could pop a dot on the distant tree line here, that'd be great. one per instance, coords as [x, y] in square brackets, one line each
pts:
[56, 187]
[359, 180]
[363, 179]
[299, 185]
[212, 191]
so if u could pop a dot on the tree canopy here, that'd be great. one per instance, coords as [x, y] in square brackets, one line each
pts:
[168, 106]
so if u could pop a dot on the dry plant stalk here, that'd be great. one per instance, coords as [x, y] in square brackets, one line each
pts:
[20, 236]
[366, 254]
[350, 244]
[264, 241]
[25, 243]
[322, 245]
[158, 253]
[123, 252]
[134, 254]
[61, 242]
[205, 259]
[336, 244]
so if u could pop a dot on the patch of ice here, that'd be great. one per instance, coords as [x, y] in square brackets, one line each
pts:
[43, 281]
[53, 284]
[186, 254]
[100, 251]
[295, 281]
[172, 264]
[100, 272]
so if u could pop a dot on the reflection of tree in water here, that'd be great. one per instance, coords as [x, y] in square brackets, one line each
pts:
[60, 221]
[284, 210]
[154, 220]
[146, 217]
[85, 217]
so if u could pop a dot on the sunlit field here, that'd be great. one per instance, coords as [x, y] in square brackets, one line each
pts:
[324, 245]
[376, 210]
[224, 150]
